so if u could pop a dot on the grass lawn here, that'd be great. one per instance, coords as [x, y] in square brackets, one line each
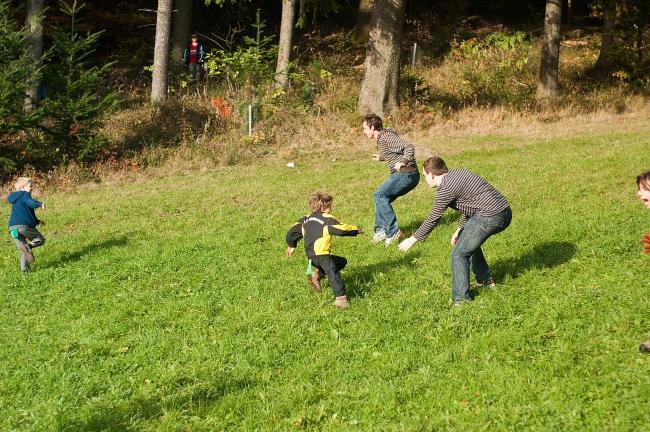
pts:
[167, 304]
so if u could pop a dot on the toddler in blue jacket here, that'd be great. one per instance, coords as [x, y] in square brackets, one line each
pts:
[23, 221]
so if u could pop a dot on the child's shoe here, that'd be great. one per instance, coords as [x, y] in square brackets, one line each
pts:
[645, 347]
[379, 237]
[341, 302]
[395, 238]
[485, 284]
[25, 249]
[314, 281]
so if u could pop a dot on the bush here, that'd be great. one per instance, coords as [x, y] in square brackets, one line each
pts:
[497, 71]
[249, 65]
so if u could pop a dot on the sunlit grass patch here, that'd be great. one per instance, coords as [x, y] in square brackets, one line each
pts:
[167, 304]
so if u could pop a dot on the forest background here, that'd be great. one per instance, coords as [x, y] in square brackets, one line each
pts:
[463, 66]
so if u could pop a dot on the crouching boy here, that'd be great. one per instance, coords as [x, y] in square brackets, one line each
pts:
[317, 230]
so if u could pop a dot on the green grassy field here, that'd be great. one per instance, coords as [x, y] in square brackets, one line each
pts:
[167, 304]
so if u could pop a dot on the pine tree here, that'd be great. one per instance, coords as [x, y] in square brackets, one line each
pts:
[75, 103]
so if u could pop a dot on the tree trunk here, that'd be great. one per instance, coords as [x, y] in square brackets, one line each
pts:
[284, 48]
[379, 86]
[362, 28]
[161, 52]
[603, 64]
[548, 69]
[182, 27]
[34, 32]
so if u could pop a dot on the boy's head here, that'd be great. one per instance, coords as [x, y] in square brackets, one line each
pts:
[434, 168]
[23, 184]
[372, 123]
[320, 202]
[194, 37]
[643, 186]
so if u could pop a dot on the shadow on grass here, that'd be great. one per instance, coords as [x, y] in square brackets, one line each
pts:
[448, 218]
[543, 255]
[358, 280]
[131, 416]
[87, 250]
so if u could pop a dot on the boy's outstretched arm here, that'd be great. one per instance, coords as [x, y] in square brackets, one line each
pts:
[31, 202]
[340, 229]
[294, 235]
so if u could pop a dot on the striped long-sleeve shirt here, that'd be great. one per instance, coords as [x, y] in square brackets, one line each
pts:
[394, 149]
[466, 192]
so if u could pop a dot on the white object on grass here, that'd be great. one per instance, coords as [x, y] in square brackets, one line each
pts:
[291, 165]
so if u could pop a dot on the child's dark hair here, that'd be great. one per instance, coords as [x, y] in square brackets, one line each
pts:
[435, 165]
[320, 201]
[643, 181]
[374, 121]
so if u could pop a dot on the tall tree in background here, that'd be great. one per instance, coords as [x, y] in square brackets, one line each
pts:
[17, 75]
[362, 27]
[548, 68]
[182, 27]
[379, 86]
[34, 37]
[161, 52]
[286, 37]
[603, 64]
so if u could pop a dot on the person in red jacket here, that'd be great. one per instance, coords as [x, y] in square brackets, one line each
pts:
[193, 57]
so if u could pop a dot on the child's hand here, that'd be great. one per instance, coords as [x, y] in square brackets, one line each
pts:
[42, 206]
[375, 157]
[646, 243]
[360, 231]
[289, 251]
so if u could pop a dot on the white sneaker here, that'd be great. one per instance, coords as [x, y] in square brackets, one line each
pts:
[379, 237]
[395, 238]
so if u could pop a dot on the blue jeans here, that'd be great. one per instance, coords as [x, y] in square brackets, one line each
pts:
[468, 247]
[395, 186]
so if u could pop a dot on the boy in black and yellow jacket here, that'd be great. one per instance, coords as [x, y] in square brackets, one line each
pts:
[317, 230]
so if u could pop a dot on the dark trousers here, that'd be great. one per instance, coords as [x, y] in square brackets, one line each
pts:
[331, 266]
[27, 236]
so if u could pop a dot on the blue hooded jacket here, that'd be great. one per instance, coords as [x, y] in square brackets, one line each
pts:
[22, 209]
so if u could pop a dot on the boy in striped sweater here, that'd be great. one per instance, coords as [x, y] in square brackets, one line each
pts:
[399, 155]
[484, 212]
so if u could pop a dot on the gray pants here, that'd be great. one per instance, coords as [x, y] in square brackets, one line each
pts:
[28, 238]
[196, 70]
